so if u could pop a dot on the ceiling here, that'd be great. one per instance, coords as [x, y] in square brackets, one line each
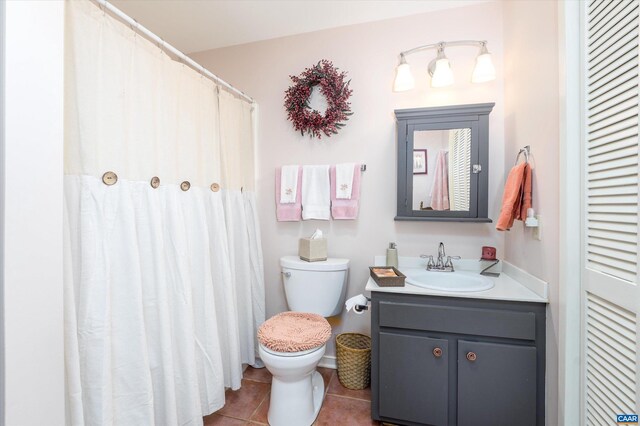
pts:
[196, 25]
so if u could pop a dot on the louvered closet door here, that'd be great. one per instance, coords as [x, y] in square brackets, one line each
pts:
[610, 285]
[460, 169]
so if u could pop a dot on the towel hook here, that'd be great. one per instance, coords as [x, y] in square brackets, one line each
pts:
[526, 151]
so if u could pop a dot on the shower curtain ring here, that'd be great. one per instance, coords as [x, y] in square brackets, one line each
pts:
[134, 27]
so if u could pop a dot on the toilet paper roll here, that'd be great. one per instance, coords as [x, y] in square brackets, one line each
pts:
[356, 300]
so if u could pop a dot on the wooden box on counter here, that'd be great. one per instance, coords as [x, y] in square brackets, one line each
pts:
[387, 276]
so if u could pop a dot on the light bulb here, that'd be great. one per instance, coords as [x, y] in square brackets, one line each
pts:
[484, 70]
[404, 79]
[442, 75]
[440, 70]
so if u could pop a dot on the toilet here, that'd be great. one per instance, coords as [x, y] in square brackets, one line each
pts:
[293, 343]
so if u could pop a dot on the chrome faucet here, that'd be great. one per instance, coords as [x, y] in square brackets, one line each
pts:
[444, 262]
[441, 255]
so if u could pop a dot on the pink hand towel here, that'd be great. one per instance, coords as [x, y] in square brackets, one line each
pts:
[289, 212]
[342, 209]
[440, 190]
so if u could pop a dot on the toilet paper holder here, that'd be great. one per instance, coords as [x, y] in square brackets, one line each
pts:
[360, 308]
[359, 303]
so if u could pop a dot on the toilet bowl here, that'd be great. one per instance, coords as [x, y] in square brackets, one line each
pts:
[297, 389]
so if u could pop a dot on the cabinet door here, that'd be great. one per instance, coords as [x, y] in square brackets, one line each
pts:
[496, 384]
[413, 378]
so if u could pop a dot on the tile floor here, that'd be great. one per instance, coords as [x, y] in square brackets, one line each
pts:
[249, 405]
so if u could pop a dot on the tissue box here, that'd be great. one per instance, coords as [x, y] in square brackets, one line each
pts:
[312, 250]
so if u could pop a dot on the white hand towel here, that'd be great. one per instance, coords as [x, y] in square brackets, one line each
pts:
[344, 180]
[316, 198]
[288, 184]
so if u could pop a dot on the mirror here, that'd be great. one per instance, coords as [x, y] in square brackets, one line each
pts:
[441, 169]
[443, 163]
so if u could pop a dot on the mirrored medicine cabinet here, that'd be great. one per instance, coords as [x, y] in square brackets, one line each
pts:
[443, 163]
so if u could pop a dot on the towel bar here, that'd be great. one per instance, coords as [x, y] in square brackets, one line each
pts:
[526, 151]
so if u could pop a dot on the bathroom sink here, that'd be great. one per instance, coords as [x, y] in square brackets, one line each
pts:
[459, 281]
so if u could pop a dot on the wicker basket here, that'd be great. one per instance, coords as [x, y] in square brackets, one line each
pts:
[353, 352]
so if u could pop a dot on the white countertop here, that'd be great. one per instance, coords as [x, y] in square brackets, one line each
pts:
[513, 284]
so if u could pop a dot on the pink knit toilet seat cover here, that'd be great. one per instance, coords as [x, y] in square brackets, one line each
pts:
[294, 332]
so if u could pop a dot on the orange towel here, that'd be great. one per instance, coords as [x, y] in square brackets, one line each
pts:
[526, 193]
[516, 198]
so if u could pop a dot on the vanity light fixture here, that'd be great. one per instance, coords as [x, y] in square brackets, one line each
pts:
[404, 79]
[484, 70]
[440, 70]
[440, 67]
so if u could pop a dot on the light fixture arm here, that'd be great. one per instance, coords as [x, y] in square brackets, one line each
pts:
[443, 44]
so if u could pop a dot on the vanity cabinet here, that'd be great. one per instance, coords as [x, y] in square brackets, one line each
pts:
[457, 361]
[413, 357]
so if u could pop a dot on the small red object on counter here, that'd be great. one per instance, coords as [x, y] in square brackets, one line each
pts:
[488, 253]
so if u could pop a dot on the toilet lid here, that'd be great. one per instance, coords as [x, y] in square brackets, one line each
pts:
[294, 332]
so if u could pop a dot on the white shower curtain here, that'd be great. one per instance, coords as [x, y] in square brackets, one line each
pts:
[164, 288]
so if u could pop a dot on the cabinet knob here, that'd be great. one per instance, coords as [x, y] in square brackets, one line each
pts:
[437, 352]
[471, 356]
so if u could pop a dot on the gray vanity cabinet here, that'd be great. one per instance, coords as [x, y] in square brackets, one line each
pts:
[457, 361]
[498, 386]
[429, 373]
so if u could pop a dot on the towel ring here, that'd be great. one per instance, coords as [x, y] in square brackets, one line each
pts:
[524, 151]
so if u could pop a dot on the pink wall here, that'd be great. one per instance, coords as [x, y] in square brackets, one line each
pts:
[369, 52]
[532, 116]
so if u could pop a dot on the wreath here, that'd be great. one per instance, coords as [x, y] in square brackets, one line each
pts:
[337, 92]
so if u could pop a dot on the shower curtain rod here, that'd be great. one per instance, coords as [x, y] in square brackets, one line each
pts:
[104, 4]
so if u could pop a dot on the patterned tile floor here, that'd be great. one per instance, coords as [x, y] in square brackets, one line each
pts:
[249, 405]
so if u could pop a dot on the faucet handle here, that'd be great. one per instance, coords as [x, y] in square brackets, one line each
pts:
[449, 263]
[430, 263]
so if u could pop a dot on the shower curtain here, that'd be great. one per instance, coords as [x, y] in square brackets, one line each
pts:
[164, 287]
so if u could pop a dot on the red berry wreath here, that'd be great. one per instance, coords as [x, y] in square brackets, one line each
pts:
[334, 89]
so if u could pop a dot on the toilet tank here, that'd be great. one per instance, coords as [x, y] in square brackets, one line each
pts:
[316, 287]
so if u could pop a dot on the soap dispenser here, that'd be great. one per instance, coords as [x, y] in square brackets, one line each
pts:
[392, 255]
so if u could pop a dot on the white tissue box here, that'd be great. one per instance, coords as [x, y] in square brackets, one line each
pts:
[312, 250]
